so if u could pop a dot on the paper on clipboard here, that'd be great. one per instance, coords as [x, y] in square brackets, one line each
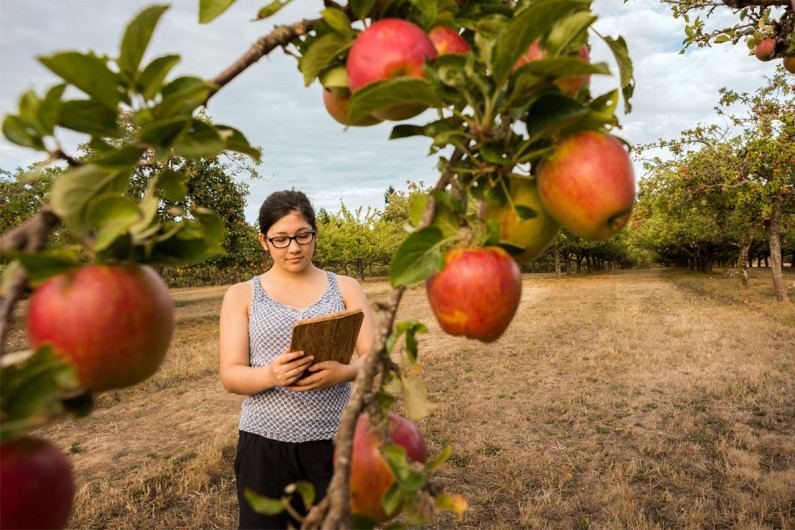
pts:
[329, 337]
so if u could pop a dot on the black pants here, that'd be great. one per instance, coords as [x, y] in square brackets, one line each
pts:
[267, 466]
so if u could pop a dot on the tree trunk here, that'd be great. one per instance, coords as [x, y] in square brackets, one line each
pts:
[568, 265]
[578, 263]
[775, 250]
[707, 262]
[557, 261]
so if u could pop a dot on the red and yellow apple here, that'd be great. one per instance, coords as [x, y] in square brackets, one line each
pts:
[336, 96]
[533, 234]
[370, 475]
[588, 184]
[446, 40]
[570, 86]
[765, 50]
[789, 64]
[36, 486]
[388, 49]
[477, 292]
[112, 322]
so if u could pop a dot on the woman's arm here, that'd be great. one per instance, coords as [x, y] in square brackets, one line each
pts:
[329, 373]
[237, 375]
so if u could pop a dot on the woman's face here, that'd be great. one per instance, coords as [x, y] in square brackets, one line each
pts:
[288, 231]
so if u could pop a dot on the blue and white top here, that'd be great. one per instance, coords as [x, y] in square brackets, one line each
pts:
[278, 413]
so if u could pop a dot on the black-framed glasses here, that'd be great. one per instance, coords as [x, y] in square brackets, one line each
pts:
[304, 238]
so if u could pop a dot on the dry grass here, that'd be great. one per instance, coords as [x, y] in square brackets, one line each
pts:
[632, 399]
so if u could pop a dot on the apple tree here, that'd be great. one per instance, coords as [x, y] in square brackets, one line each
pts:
[508, 83]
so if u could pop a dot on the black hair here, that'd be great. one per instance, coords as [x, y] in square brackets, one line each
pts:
[281, 203]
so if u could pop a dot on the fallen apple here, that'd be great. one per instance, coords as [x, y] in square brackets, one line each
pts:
[588, 184]
[112, 322]
[477, 292]
[37, 487]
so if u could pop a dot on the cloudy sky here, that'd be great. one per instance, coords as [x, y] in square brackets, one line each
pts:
[302, 145]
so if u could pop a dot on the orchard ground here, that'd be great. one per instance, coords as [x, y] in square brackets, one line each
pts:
[625, 399]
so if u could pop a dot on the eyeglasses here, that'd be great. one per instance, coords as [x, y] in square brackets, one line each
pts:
[304, 238]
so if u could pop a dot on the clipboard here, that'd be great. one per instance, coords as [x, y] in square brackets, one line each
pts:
[329, 337]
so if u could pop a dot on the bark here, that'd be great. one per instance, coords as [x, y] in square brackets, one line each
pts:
[774, 241]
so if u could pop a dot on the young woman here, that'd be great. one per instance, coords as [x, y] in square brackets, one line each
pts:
[286, 424]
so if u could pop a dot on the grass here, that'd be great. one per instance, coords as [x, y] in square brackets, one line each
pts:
[631, 399]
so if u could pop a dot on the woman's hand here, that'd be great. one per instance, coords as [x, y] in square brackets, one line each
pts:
[324, 375]
[288, 367]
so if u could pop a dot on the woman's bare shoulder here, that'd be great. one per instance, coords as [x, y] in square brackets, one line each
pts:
[239, 293]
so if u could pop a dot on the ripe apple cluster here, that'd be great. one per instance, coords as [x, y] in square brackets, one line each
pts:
[387, 49]
[765, 50]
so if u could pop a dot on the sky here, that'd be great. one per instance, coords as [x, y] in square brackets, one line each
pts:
[303, 147]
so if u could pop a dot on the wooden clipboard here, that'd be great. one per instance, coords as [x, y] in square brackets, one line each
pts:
[329, 337]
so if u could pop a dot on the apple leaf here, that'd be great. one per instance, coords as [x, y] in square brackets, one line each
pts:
[410, 328]
[111, 215]
[337, 19]
[272, 8]
[440, 459]
[164, 133]
[200, 140]
[393, 499]
[125, 157]
[173, 185]
[182, 96]
[417, 204]
[568, 31]
[385, 94]
[362, 522]
[456, 204]
[305, 489]
[89, 117]
[621, 53]
[235, 141]
[50, 108]
[361, 8]
[87, 72]
[409, 476]
[18, 132]
[415, 397]
[453, 503]
[44, 264]
[31, 391]
[527, 26]
[525, 212]
[322, 52]
[151, 79]
[136, 39]
[418, 257]
[263, 505]
[210, 9]
[550, 113]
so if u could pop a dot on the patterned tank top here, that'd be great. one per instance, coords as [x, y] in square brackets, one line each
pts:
[278, 413]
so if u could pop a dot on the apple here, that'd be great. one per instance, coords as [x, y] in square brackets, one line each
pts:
[336, 96]
[388, 49]
[370, 475]
[534, 234]
[477, 292]
[588, 184]
[112, 322]
[446, 40]
[765, 50]
[789, 64]
[570, 86]
[37, 486]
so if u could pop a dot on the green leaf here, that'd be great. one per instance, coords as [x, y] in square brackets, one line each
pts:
[165, 132]
[417, 257]
[322, 52]
[71, 191]
[111, 215]
[424, 13]
[87, 72]
[154, 74]
[45, 264]
[235, 141]
[450, 200]
[417, 205]
[361, 8]
[385, 94]
[271, 9]
[50, 108]
[404, 130]
[136, 39]
[408, 477]
[621, 54]
[31, 391]
[362, 522]
[182, 96]
[337, 19]
[210, 9]
[722, 38]
[148, 206]
[410, 328]
[446, 221]
[305, 489]
[551, 113]
[415, 397]
[125, 157]
[212, 224]
[18, 132]
[393, 499]
[527, 26]
[89, 117]
[524, 212]
[263, 505]
[173, 185]
[200, 140]
[453, 503]
[440, 459]
[569, 31]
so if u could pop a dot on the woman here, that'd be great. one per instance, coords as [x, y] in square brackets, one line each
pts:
[286, 424]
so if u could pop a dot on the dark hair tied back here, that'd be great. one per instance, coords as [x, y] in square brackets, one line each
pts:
[281, 203]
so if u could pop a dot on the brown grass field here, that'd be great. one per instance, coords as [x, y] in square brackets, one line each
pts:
[629, 399]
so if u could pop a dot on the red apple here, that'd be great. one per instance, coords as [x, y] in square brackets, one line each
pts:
[570, 86]
[36, 486]
[446, 40]
[113, 322]
[765, 50]
[336, 101]
[534, 234]
[477, 293]
[789, 64]
[371, 476]
[588, 184]
[388, 49]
